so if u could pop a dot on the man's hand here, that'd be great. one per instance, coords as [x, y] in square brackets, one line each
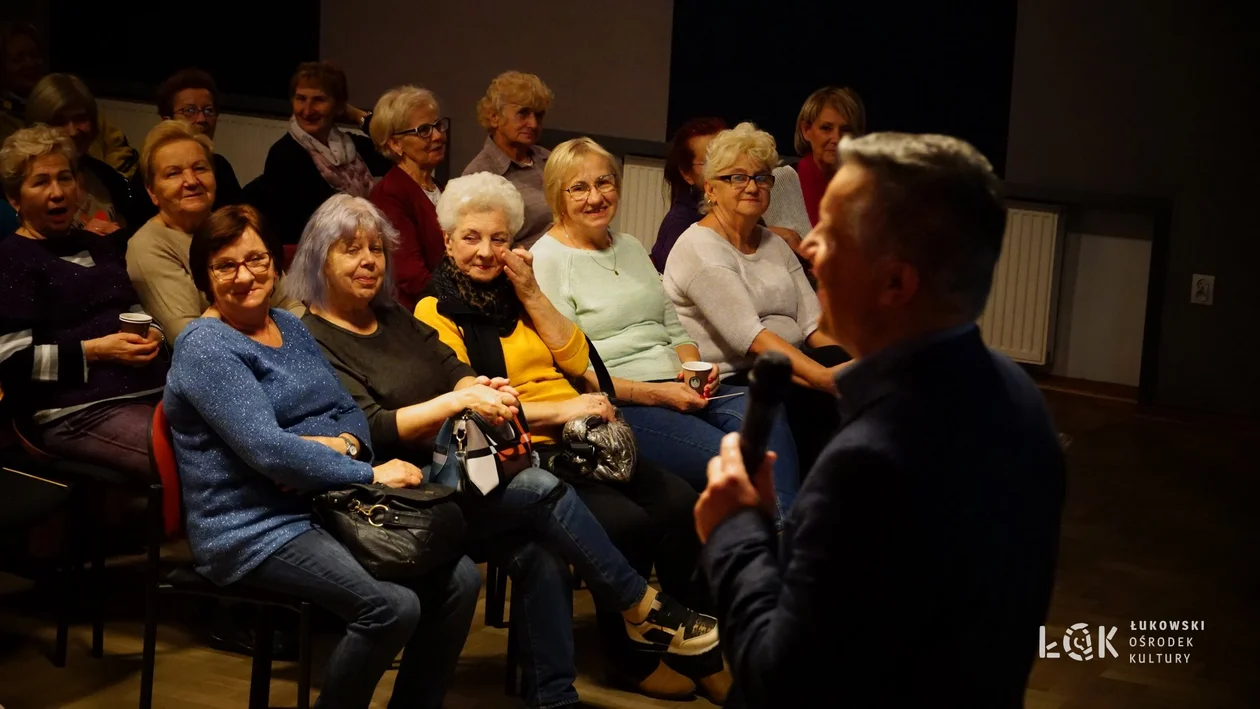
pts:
[730, 490]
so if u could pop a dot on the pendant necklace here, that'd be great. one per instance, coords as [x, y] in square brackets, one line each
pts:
[614, 270]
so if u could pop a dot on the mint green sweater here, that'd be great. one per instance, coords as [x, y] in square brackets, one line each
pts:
[627, 316]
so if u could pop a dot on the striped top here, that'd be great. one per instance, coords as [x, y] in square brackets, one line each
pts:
[54, 295]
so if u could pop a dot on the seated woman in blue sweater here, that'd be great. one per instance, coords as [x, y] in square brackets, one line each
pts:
[86, 389]
[408, 383]
[260, 421]
[605, 283]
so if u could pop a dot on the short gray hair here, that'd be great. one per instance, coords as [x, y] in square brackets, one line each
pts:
[476, 193]
[338, 219]
[938, 206]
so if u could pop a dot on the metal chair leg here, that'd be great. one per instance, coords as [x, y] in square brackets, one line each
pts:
[511, 678]
[494, 595]
[151, 596]
[304, 657]
[98, 575]
[260, 676]
[65, 603]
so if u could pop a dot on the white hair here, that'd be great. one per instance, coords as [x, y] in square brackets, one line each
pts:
[477, 193]
[338, 219]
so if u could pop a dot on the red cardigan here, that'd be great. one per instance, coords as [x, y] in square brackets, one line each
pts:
[813, 185]
[420, 244]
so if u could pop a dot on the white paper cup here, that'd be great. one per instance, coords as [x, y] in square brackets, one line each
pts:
[696, 375]
[135, 323]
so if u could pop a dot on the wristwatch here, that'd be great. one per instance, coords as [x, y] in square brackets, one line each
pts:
[352, 449]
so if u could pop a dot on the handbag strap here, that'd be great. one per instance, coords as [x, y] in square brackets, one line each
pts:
[601, 372]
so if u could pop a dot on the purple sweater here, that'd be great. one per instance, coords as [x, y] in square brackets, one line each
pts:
[54, 294]
[683, 214]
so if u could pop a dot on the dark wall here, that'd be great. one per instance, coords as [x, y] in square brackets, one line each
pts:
[125, 49]
[919, 66]
[1151, 97]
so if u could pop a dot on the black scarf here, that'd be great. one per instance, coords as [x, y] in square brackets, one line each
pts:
[484, 311]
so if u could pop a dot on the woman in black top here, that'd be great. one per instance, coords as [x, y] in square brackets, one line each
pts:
[409, 383]
[315, 159]
[85, 390]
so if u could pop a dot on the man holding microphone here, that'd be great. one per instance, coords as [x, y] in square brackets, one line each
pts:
[916, 565]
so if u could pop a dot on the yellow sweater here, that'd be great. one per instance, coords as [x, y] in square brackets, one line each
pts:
[536, 371]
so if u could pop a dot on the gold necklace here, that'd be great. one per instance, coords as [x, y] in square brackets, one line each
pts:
[611, 245]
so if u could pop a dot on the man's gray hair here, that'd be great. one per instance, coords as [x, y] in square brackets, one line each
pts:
[480, 192]
[938, 205]
[338, 219]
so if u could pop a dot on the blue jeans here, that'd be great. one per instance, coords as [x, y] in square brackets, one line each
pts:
[683, 443]
[542, 613]
[540, 504]
[430, 618]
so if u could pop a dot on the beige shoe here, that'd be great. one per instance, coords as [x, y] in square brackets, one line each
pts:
[673, 628]
[717, 686]
[665, 683]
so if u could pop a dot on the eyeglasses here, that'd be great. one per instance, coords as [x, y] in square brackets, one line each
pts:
[443, 126]
[740, 181]
[227, 270]
[192, 111]
[603, 184]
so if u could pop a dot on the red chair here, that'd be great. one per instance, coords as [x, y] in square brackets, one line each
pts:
[166, 523]
[290, 250]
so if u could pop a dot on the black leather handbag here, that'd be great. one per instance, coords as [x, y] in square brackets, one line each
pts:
[395, 533]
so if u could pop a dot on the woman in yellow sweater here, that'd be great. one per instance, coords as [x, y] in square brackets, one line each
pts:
[489, 309]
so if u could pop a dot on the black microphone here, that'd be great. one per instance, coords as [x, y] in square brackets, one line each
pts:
[770, 376]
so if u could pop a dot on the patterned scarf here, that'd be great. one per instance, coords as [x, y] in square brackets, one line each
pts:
[484, 311]
[338, 162]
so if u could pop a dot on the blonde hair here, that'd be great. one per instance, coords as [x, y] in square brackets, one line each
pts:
[844, 100]
[25, 145]
[163, 134]
[393, 113]
[57, 95]
[744, 140]
[513, 87]
[563, 162]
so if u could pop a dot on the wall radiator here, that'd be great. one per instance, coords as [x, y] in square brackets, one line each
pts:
[243, 140]
[1018, 320]
[642, 205]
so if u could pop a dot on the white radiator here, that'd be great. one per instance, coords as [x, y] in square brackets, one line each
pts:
[243, 140]
[1018, 320]
[642, 205]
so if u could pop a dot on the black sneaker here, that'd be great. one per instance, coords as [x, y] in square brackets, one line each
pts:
[675, 629]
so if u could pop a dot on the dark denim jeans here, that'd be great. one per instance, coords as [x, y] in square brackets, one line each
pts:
[566, 533]
[543, 617]
[430, 618]
[683, 443]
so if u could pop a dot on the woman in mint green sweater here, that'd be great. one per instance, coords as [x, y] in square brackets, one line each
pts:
[607, 285]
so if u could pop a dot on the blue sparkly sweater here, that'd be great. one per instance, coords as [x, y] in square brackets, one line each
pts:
[237, 411]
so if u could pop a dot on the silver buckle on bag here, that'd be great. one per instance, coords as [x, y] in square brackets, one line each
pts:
[367, 511]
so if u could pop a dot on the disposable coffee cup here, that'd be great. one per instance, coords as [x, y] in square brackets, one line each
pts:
[135, 323]
[696, 375]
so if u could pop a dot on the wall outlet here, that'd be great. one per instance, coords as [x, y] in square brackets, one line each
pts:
[1202, 289]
